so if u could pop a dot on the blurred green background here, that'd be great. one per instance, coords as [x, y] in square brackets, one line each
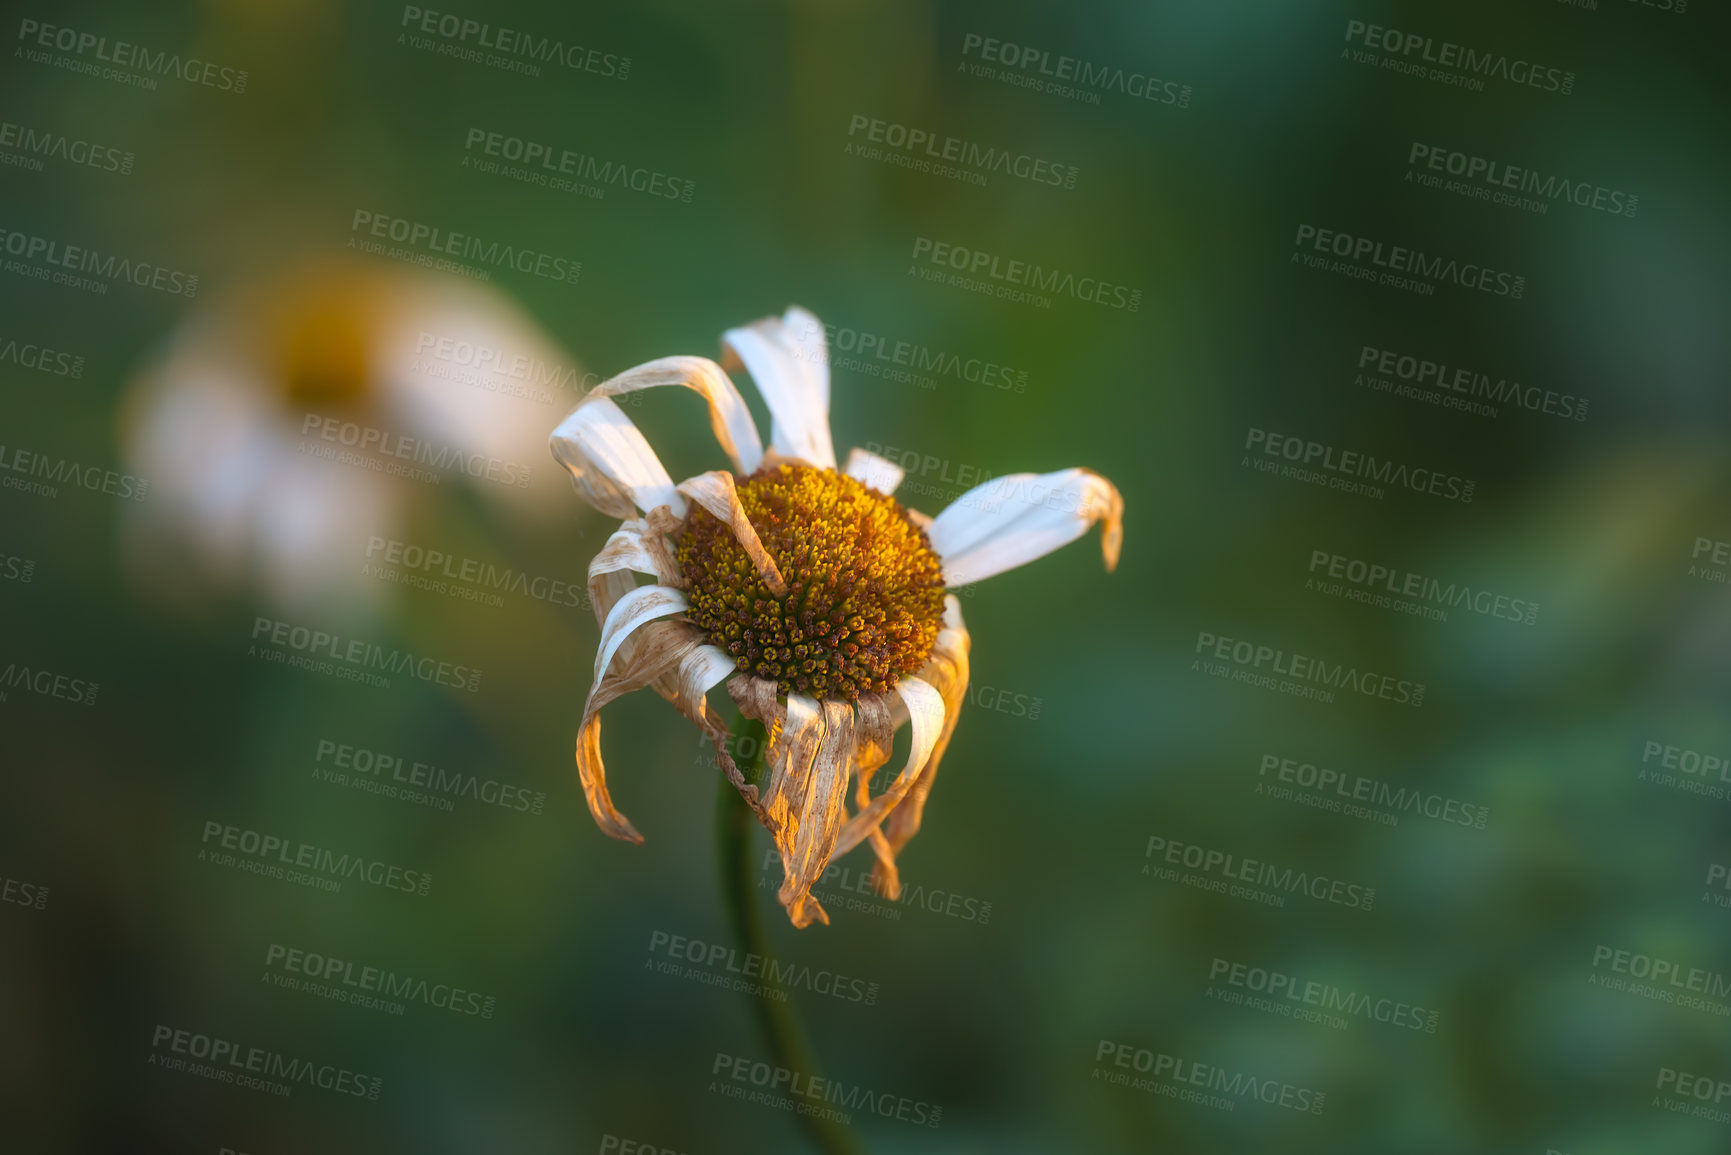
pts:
[997, 1020]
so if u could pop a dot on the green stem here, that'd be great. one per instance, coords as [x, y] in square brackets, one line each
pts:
[775, 1015]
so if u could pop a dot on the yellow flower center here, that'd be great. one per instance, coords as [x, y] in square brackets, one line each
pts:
[323, 337]
[865, 591]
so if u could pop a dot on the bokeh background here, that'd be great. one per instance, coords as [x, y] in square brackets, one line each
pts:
[1090, 731]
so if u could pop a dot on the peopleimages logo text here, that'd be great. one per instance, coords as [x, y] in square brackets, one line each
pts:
[1494, 174]
[277, 851]
[109, 268]
[466, 246]
[363, 654]
[1423, 372]
[528, 49]
[550, 161]
[68, 471]
[1418, 50]
[1406, 264]
[1351, 463]
[36, 144]
[127, 55]
[1326, 996]
[1226, 865]
[1303, 670]
[381, 981]
[1025, 274]
[932, 146]
[230, 1062]
[1067, 70]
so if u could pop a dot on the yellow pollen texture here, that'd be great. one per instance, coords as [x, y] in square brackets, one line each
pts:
[865, 591]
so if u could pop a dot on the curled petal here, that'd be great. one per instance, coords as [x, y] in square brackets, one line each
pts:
[1012, 520]
[637, 546]
[876, 721]
[643, 604]
[874, 472]
[926, 714]
[755, 698]
[946, 671]
[592, 773]
[728, 416]
[700, 671]
[611, 464]
[808, 797]
[716, 492]
[656, 648]
[788, 360]
[874, 733]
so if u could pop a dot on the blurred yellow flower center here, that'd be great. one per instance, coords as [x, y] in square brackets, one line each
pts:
[324, 348]
[865, 591]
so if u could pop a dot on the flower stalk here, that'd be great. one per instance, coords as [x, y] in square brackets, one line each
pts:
[776, 1018]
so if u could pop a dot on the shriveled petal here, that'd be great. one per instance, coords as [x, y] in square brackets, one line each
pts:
[808, 797]
[657, 648]
[1012, 520]
[643, 604]
[875, 729]
[946, 671]
[592, 773]
[926, 714]
[788, 360]
[716, 492]
[637, 546]
[874, 472]
[755, 698]
[610, 462]
[700, 671]
[791, 747]
[728, 416]
[874, 734]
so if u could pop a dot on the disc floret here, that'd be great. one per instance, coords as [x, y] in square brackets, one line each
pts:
[865, 590]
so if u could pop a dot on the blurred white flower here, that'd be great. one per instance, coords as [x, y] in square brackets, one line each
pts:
[294, 420]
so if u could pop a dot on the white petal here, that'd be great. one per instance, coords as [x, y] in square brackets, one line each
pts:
[443, 356]
[789, 363]
[926, 714]
[663, 648]
[644, 604]
[716, 492]
[703, 669]
[1011, 520]
[637, 546]
[874, 472]
[728, 416]
[804, 333]
[946, 671]
[309, 524]
[610, 462]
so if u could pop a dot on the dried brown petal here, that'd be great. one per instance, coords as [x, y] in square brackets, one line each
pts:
[716, 492]
[808, 797]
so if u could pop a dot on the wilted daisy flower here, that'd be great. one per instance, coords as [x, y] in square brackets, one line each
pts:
[817, 597]
[291, 422]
